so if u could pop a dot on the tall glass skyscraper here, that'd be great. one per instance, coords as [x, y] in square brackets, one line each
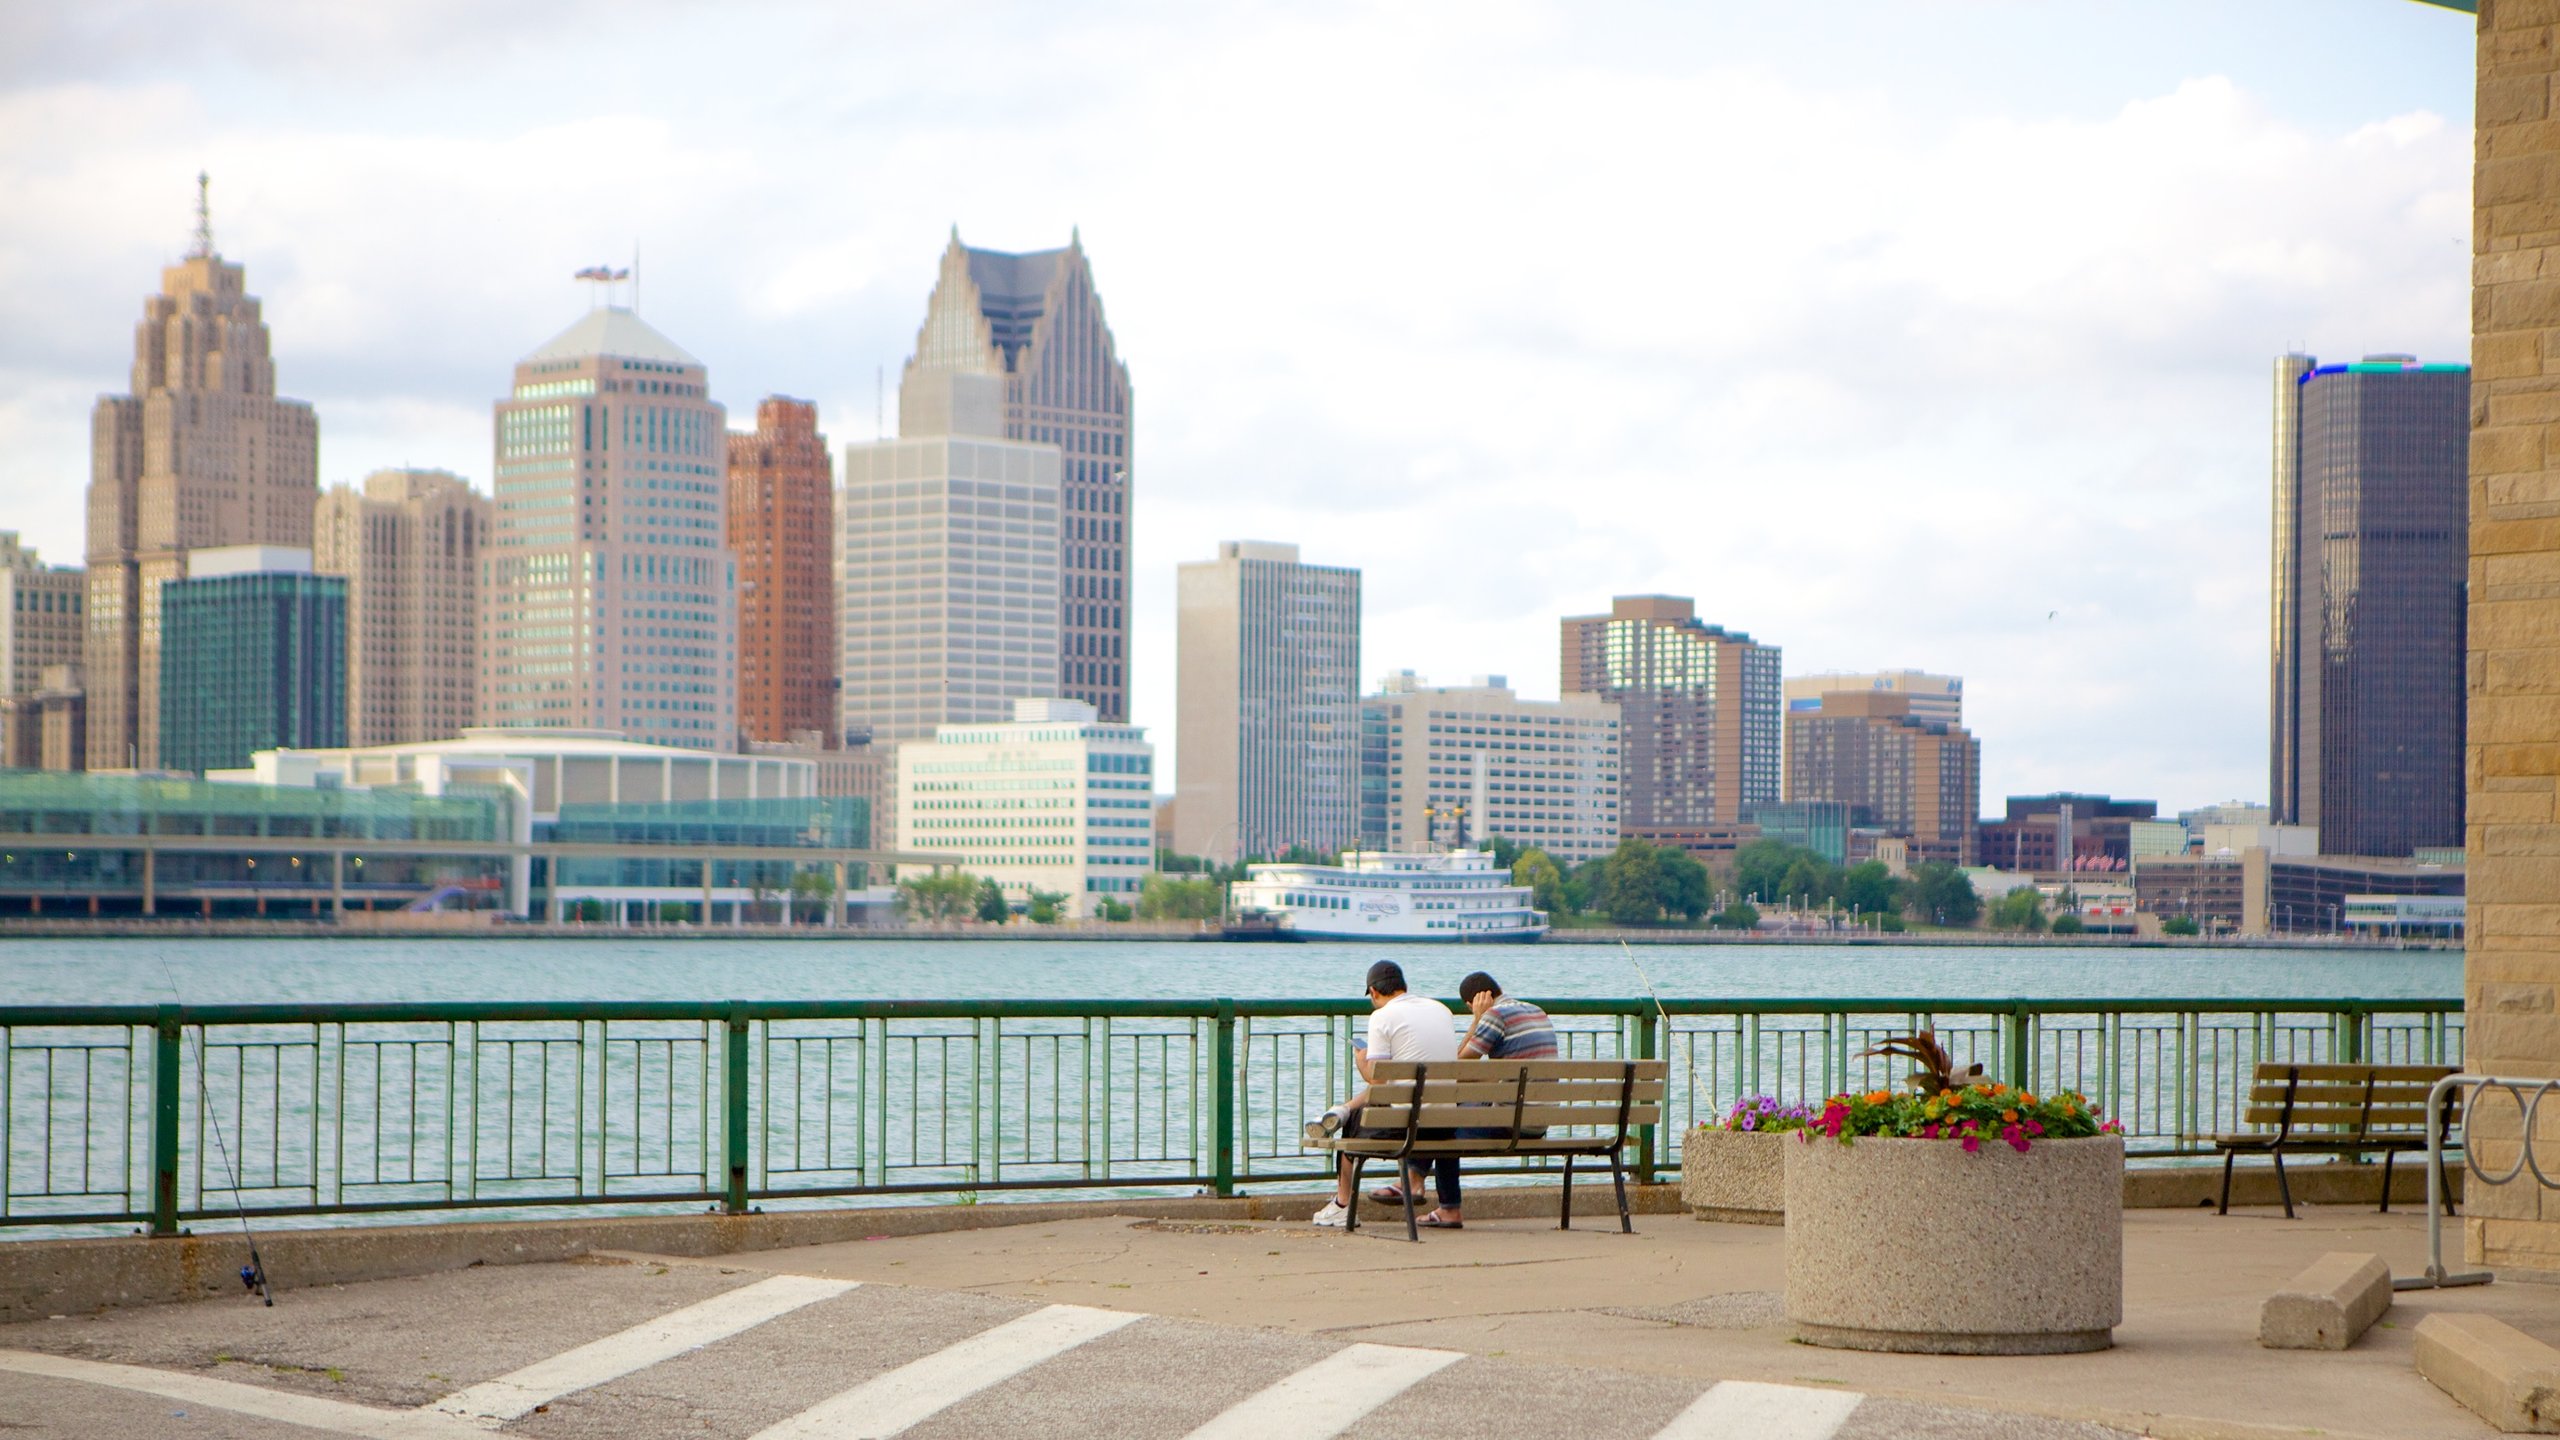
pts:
[610, 599]
[2371, 541]
[1036, 320]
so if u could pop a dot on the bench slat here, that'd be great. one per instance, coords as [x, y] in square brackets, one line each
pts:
[1386, 1070]
[1550, 1092]
[2397, 1094]
[1549, 1145]
[2274, 1070]
[1450, 1117]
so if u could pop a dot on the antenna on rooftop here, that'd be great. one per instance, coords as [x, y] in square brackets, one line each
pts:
[203, 249]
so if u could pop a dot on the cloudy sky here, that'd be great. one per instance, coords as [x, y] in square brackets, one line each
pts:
[1897, 334]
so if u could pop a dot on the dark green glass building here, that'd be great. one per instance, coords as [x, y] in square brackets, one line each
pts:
[251, 659]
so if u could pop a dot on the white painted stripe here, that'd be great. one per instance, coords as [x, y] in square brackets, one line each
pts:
[1329, 1396]
[311, 1411]
[1748, 1410]
[494, 1402]
[887, 1404]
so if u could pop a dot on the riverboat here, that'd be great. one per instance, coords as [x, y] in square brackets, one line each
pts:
[1455, 895]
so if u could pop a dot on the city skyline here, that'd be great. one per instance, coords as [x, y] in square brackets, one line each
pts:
[2132, 422]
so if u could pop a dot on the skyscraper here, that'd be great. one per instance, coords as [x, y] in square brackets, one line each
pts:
[782, 528]
[946, 565]
[2372, 538]
[1938, 699]
[1036, 320]
[1698, 708]
[1871, 751]
[409, 545]
[609, 600]
[40, 608]
[200, 454]
[255, 659]
[1267, 675]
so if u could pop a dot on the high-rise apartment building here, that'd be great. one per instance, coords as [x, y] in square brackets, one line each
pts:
[2372, 545]
[782, 528]
[1462, 764]
[409, 546]
[1267, 674]
[255, 657]
[946, 567]
[1938, 699]
[1053, 800]
[1036, 321]
[1919, 779]
[1699, 710]
[46, 624]
[609, 600]
[200, 454]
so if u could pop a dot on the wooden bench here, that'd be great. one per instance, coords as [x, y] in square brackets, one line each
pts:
[1532, 1102]
[2336, 1110]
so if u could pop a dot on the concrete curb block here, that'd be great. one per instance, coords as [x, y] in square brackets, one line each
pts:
[59, 1277]
[2498, 1372]
[2333, 1301]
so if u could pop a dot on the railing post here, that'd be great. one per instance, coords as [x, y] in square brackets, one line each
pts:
[1224, 1098]
[164, 1124]
[2021, 1064]
[733, 1099]
[1650, 1045]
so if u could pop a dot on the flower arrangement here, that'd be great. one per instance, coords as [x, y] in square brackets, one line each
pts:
[1764, 1115]
[1944, 1103]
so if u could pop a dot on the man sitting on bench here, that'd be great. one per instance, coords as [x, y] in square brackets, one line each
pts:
[1402, 1026]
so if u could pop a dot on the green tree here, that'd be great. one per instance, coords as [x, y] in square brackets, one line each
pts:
[1631, 883]
[1045, 905]
[1868, 888]
[2021, 909]
[990, 903]
[1683, 888]
[1170, 897]
[1113, 910]
[1534, 869]
[1506, 852]
[1804, 882]
[1305, 855]
[1760, 866]
[943, 896]
[2067, 923]
[1737, 916]
[1941, 894]
[810, 891]
[2180, 925]
[1889, 922]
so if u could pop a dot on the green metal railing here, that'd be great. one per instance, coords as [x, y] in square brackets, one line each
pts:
[155, 1116]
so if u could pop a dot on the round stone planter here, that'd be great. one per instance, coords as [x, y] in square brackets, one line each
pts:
[1919, 1247]
[1735, 1175]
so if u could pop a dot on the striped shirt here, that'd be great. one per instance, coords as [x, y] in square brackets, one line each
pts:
[1513, 1030]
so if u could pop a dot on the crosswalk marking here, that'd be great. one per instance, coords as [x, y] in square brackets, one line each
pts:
[493, 1402]
[1329, 1396]
[310, 1411]
[887, 1404]
[1748, 1410]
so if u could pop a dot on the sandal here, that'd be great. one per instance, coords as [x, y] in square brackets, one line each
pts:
[1433, 1221]
[1387, 1195]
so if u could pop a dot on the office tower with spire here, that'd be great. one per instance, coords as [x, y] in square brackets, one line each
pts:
[1036, 321]
[409, 545]
[782, 527]
[2369, 585]
[609, 600]
[200, 454]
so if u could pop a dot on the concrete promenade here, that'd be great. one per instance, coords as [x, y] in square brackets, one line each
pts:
[1128, 1326]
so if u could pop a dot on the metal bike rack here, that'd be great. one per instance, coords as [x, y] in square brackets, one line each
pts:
[2528, 1109]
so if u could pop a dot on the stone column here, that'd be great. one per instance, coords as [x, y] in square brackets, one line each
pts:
[2511, 972]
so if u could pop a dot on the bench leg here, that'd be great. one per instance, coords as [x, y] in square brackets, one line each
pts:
[2283, 1186]
[1411, 1231]
[1358, 1163]
[1564, 1219]
[1618, 1177]
[2387, 1157]
[2227, 1157]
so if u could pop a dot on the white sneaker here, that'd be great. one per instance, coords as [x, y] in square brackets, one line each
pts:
[1332, 1215]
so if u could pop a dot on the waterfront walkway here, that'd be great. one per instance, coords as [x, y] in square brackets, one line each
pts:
[1134, 1328]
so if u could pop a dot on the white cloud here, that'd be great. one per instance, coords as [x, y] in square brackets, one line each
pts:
[1511, 318]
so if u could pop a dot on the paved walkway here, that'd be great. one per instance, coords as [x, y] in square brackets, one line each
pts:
[1133, 1329]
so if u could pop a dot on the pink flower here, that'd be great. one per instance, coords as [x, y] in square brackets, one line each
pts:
[1972, 1143]
[2016, 1137]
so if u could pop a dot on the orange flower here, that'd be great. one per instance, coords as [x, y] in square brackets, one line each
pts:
[2009, 1115]
[1878, 1097]
[2026, 1098]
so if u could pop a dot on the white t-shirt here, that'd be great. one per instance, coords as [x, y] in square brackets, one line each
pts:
[1412, 1027]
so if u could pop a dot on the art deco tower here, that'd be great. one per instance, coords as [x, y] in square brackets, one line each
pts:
[1037, 321]
[609, 599]
[200, 454]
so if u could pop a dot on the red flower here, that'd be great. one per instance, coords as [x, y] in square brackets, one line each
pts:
[1972, 1143]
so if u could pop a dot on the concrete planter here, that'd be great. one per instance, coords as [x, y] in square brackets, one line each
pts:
[1916, 1246]
[1735, 1175]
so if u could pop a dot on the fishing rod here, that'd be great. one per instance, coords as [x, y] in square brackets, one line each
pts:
[253, 1276]
[1656, 997]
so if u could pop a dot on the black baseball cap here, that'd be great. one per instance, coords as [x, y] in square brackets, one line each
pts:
[1386, 978]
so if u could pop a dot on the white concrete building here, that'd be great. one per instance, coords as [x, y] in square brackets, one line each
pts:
[1054, 800]
[1267, 670]
[1462, 764]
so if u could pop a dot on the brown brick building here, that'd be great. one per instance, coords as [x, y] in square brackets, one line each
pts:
[782, 528]
[1698, 709]
[1914, 778]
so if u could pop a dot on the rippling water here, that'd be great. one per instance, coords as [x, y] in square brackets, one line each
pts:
[147, 971]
